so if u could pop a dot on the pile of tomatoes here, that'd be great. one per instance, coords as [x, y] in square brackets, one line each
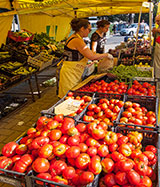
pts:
[104, 111]
[85, 101]
[114, 87]
[60, 151]
[137, 115]
[144, 89]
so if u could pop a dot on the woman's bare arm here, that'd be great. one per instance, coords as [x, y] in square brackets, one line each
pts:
[86, 52]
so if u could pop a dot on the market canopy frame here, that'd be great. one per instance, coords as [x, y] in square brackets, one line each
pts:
[78, 8]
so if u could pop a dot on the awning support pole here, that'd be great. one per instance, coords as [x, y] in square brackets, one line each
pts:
[139, 19]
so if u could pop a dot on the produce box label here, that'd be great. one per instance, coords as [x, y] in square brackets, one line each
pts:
[68, 106]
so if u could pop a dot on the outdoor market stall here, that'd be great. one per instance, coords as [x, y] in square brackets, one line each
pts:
[89, 136]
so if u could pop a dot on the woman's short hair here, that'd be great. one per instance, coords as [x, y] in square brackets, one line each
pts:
[102, 23]
[78, 23]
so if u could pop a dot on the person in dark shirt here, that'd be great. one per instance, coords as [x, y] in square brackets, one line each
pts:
[98, 38]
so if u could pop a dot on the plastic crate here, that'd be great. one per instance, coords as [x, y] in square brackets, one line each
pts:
[109, 97]
[12, 36]
[149, 138]
[13, 178]
[151, 104]
[34, 178]
[50, 111]
[154, 83]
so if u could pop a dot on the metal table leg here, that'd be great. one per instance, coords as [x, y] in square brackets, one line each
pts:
[30, 85]
[38, 90]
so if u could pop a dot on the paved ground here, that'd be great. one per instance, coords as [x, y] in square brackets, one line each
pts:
[16, 123]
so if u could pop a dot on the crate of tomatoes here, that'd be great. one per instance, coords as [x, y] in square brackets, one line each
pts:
[139, 113]
[105, 85]
[73, 104]
[104, 109]
[133, 161]
[63, 153]
[146, 89]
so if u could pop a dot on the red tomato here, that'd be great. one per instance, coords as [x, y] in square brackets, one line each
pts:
[6, 163]
[92, 106]
[40, 165]
[145, 181]
[57, 167]
[45, 176]
[109, 179]
[39, 142]
[82, 161]
[135, 153]
[41, 122]
[73, 152]
[81, 127]
[92, 142]
[92, 151]
[113, 147]
[52, 124]
[116, 156]
[58, 117]
[121, 178]
[68, 173]
[141, 168]
[86, 177]
[67, 124]
[73, 140]
[103, 150]
[110, 137]
[141, 157]
[21, 149]
[122, 140]
[55, 134]
[9, 149]
[58, 179]
[98, 134]
[23, 163]
[133, 177]
[95, 166]
[59, 150]
[150, 155]
[107, 165]
[125, 165]
[151, 148]
[45, 151]
[125, 150]
[64, 139]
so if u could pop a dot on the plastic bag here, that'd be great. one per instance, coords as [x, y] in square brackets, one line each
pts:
[105, 64]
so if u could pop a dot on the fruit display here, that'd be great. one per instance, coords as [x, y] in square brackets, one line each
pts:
[128, 72]
[103, 110]
[142, 89]
[84, 98]
[20, 36]
[130, 163]
[41, 42]
[101, 86]
[127, 60]
[4, 56]
[59, 150]
[135, 113]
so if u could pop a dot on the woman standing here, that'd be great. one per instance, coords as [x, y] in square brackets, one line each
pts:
[98, 38]
[76, 55]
